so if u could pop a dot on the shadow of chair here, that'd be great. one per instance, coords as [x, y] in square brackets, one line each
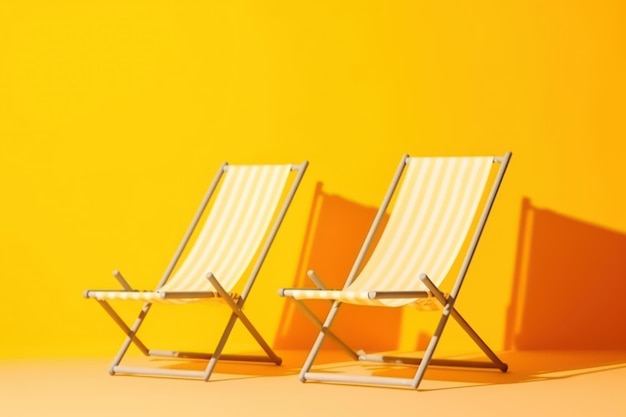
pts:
[568, 285]
[335, 232]
[566, 314]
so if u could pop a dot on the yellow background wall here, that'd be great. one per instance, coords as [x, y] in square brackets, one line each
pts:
[114, 116]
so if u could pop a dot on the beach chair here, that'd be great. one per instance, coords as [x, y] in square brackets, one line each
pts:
[225, 246]
[440, 207]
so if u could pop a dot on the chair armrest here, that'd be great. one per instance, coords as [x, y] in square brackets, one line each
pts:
[316, 280]
[120, 278]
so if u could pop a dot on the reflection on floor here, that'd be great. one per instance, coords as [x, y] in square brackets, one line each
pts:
[539, 383]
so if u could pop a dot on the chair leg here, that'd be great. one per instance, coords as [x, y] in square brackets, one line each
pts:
[131, 333]
[432, 345]
[449, 311]
[324, 330]
[480, 342]
[220, 347]
[446, 301]
[309, 314]
[237, 314]
[423, 362]
[236, 308]
[217, 354]
[131, 337]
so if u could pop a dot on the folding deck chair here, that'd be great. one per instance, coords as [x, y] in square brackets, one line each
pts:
[228, 239]
[439, 200]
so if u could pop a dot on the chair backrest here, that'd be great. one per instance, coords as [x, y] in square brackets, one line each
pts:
[234, 228]
[434, 209]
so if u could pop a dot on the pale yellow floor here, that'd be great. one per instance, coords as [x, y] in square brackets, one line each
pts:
[538, 384]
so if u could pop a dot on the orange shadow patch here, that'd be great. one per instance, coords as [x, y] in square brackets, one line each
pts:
[568, 287]
[336, 229]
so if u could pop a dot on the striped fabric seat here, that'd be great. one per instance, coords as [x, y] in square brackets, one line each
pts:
[229, 239]
[430, 220]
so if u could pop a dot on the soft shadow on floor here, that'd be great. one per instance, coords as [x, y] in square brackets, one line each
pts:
[229, 370]
[524, 367]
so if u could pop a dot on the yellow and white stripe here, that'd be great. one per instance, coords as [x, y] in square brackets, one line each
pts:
[230, 237]
[430, 220]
